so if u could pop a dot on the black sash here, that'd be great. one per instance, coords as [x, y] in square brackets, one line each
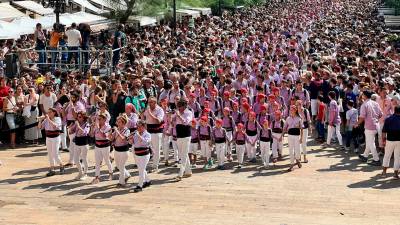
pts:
[183, 131]
[294, 131]
[81, 141]
[123, 148]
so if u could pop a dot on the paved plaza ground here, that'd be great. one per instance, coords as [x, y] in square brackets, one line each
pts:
[333, 188]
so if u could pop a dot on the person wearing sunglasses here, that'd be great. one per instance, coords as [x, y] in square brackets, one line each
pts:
[10, 109]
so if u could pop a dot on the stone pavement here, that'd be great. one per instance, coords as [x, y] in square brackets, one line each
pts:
[334, 188]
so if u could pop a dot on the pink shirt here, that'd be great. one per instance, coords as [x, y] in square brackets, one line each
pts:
[100, 133]
[46, 125]
[118, 141]
[334, 116]
[78, 108]
[371, 112]
[386, 107]
[157, 112]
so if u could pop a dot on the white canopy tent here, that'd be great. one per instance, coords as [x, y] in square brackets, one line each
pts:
[7, 12]
[34, 7]
[87, 5]
[187, 12]
[203, 11]
[143, 20]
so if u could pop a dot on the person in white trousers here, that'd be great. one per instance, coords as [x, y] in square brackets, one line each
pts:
[141, 149]
[219, 138]
[265, 137]
[306, 118]
[240, 139]
[81, 129]
[293, 126]
[391, 140]
[183, 119]
[334, 120]
[370, 113]
[154, 117]
[101, 133]
[51, 123]
[120, 138]
[277, 136]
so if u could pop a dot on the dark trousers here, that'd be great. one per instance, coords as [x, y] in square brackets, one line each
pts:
[74, 54]
[320, 129]
[115, 58]
[352, 136]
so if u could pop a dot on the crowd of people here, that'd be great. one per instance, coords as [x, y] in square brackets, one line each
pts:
[240, 85]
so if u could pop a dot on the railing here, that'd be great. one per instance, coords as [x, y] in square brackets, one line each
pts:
[60, 58]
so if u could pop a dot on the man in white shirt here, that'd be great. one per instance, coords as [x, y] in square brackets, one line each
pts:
[47, 99]
[74, 41]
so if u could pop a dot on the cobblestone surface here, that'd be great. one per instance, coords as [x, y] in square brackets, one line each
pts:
[333, 188]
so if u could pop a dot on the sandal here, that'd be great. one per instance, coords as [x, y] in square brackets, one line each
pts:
[290, 169]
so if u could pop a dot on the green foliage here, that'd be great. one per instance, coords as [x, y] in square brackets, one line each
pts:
[394, 4]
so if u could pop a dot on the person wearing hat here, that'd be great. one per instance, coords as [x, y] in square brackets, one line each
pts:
[228, 123]
[226, 100]
[265, 135]
[194, 143]
[277, 125]
[204, 131]
[52, 125]
[260, 102]
[391, 140]
[293, 126]
[101, 131]
[240, 139]
[154, 116]
[219, 137]
[81, 129]
[252, 127]
[370, 113]
[141, 148]
[183, 132]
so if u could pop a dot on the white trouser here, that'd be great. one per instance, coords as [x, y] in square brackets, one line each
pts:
[294, 147]
[156, 140]
[183, 146]
[102, 154]
[220, 149]
[193, 148]
[240, 149]
[265, 152]
[229, 137]
[63, 137]
[251, 148]
[370, 144]
[53, 144]
[71, 148]
[176, 150]
[81, 153]
[141, 162]
[314, 107]
[390, 148]
[277, 145]
[205, 149]
[165, 147]
[380, 127]
[120, 161]
[334, 129]
[304, 141]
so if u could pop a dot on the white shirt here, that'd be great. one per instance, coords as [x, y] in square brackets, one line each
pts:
[73, 37]
[47, 102]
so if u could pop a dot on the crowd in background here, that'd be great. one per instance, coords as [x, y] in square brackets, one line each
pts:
[308, 68]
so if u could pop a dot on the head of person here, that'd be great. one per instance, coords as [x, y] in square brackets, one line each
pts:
[81, 117]
[141, 126]
[240, 127]
[266, 124]
[129, 108]
[38, 26]
[194, 123]
[74, 96]
[204, 120]
[52, 113]
[350, 104]
[152, 103]
[218, 123]
[121, 121]
[278, 115]
[332, 95]
[73, 25]
[252, 116]
[226, 111]
[101, 118]
[293, 110]
[11, 92]
[181, 105]
[320, 98]
[367, 94]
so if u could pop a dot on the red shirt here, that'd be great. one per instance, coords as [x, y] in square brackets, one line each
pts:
[321, 112]
[3, 93]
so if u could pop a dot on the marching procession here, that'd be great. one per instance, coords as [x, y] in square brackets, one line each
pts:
[232, 90]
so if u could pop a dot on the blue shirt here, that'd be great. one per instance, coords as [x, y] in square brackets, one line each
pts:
[392, 127]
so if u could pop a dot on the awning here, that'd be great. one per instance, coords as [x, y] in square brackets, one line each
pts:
[25, 25]
[34, 7]
[7, 12]
[8, 31]
[187, 12]
[203, 11]
[143, 20]
[49, 20]
[107, 4]
[87, 5]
